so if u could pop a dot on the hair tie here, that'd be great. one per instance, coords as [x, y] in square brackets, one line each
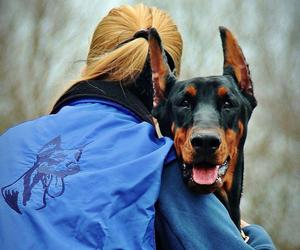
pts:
[144, 33]
[139, 34]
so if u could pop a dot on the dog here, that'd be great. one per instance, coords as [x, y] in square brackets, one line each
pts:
[207, 117]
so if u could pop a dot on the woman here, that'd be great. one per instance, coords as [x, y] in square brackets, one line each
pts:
[88, 175]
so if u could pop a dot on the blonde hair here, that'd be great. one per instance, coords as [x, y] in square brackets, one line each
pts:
[114, 56]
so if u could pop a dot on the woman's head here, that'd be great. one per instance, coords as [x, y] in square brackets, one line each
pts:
[117, 55]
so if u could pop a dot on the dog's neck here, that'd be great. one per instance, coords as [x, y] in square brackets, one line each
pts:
[231, 199]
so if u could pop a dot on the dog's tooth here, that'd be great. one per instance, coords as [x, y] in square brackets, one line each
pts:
[219, 182]
[222, 171]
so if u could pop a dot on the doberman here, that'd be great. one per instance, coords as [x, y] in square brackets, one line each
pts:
[207, 117]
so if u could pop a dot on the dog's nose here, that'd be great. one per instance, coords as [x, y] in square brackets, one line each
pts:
[208, 142]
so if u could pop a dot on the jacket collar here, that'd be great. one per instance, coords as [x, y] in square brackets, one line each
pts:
[108, 90]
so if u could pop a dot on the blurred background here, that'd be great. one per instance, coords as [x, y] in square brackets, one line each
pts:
[43, 45]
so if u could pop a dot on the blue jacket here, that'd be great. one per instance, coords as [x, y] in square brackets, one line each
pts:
[88, 176]
[84, 178]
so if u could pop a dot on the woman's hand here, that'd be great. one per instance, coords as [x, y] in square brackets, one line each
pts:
[244, 223]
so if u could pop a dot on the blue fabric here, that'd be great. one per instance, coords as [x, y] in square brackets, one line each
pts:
[258, 237]
[84, 178]
[187, 220]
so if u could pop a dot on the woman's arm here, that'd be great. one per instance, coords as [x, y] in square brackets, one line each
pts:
[185, 220]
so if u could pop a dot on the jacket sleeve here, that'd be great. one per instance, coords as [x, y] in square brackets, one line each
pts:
[258, 237]
[185, 220]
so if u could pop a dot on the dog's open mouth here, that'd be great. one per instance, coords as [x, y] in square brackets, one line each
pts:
[205, 175]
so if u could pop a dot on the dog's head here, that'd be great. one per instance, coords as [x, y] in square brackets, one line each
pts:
[206, 116]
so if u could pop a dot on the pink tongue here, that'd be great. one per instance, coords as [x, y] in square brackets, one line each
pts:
[205, 176]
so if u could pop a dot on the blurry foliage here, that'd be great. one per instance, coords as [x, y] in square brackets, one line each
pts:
[41, 41]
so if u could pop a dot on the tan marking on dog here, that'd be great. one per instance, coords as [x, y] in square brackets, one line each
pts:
[222, 91]
[191, 90]
[233, 140]
[183, 146]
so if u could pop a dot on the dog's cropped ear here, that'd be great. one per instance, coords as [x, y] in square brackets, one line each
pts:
[162, 77]
[163, 81]
[235, 64]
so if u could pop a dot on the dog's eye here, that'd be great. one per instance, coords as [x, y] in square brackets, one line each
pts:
[186, 103]
[227, 104]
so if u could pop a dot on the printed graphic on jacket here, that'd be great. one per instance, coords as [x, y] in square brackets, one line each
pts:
[44, 179]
